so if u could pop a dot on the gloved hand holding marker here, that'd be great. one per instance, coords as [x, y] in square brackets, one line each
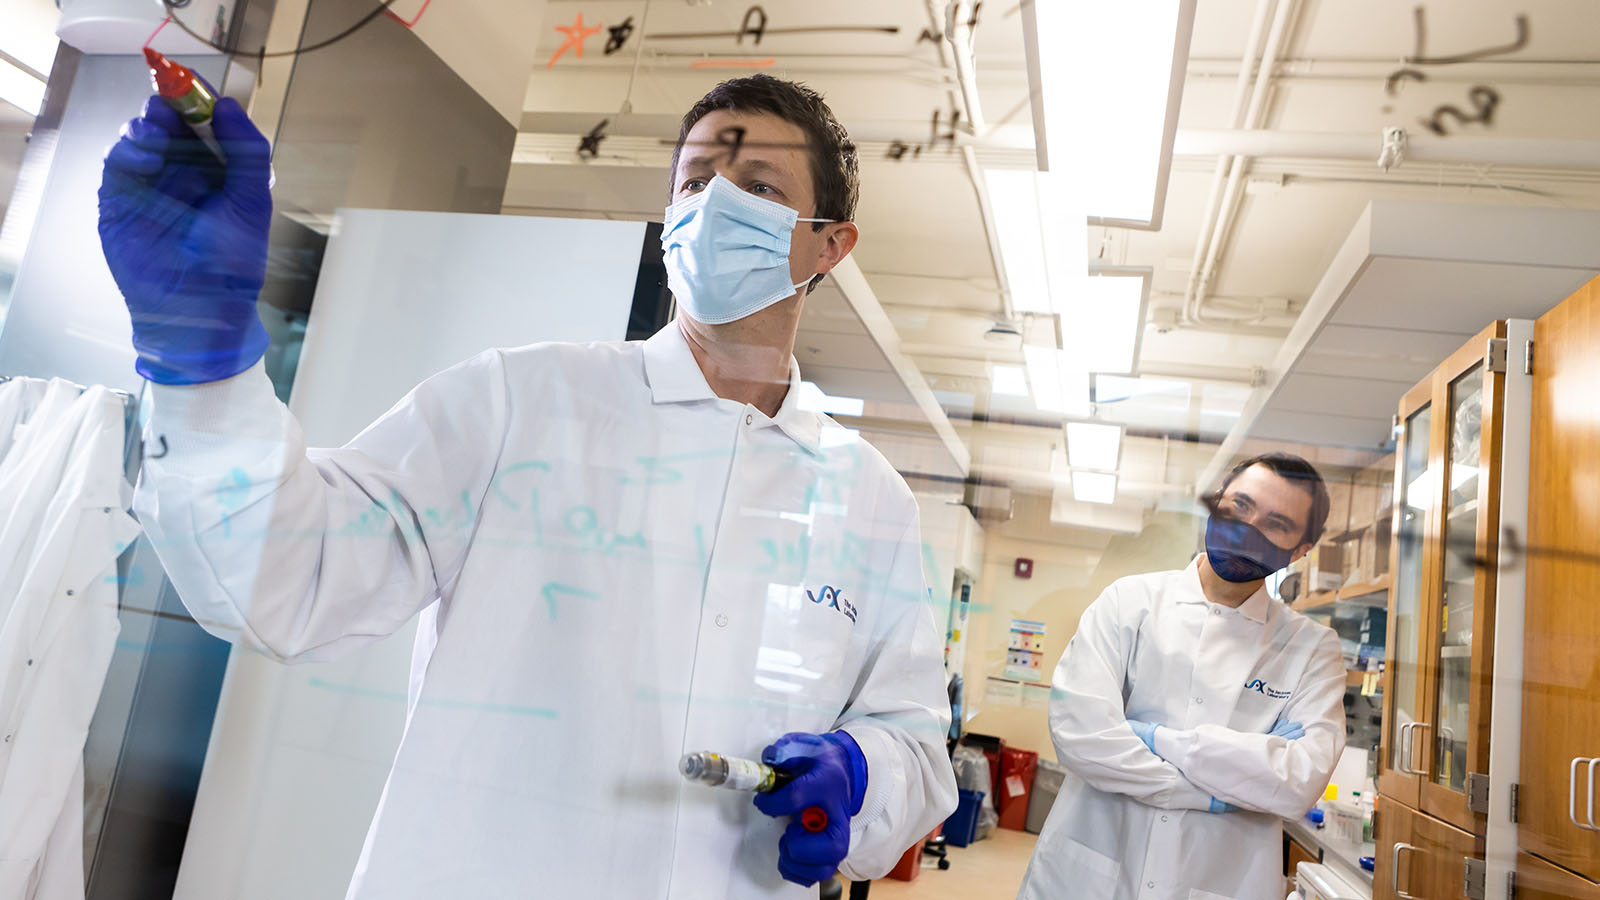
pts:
[188, 95]
[183, 223]
[817, 780]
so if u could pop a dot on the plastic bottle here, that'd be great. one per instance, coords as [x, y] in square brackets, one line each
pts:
[1369, 809]
[1325, 805]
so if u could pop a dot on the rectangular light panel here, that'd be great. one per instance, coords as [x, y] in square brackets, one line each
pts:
[1094, 487]
[1057, 386]
[1094, 445]
[1011, 381]
[1100, 326]
[1104, 104]
[20, 89]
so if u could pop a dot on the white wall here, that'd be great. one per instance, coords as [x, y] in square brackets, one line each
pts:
[299, 754]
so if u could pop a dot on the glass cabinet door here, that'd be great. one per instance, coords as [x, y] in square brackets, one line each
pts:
[1455, 597]
[1416, 497]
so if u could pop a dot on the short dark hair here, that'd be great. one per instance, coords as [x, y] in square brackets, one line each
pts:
[835, 170]
[1300, 472]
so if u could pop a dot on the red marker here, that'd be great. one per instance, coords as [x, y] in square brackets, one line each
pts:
[186, 94]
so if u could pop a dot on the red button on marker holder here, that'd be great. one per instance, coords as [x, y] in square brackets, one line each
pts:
[813, 819]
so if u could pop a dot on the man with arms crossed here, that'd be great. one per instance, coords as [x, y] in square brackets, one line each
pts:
[1193, 712]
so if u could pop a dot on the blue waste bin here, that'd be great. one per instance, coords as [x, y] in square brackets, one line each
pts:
[961, 828]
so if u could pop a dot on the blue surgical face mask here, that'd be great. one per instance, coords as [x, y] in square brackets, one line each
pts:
[727, 252]
[1240, 553]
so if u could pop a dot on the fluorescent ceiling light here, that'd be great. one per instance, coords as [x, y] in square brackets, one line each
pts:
[813, 399]
[1106, 79]
[1014, 201]
[1039, 225]
[1103, 320]
[1056, 388]
[1094, 445]
[1094, 487]
[20, 89]
[1011, 381]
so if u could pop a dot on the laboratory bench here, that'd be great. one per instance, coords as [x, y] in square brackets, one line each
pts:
[1326, 847]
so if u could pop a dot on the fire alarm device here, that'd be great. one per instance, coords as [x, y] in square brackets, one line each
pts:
[1023, 568]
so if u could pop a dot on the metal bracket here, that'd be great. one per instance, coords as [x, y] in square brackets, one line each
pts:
[1516, 803]
[1494, 358]
[1527, 358]
[1511, 885]
[1474, 879]
[1477, 792]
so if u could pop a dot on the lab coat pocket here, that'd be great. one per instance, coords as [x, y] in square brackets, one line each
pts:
[1070, 865]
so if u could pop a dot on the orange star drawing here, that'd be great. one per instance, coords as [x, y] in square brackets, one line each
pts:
[576, 35]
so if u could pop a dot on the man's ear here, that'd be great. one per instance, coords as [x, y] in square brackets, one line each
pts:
[1300, 553]
[841, 240]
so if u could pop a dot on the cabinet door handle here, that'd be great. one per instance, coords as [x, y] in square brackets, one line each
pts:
[1427, 761]
[1590, 794]
[1405, 750]
[1394, 873]
[1572, 790]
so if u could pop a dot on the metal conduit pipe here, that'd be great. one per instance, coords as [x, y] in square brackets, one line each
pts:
[1425, 147]
[1247, 63]
[1231, 196]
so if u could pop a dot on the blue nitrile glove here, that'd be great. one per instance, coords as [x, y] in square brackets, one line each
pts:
[1294, 731]
[1146, 732]
[1218, 807]
[186, 240]
[830, 773]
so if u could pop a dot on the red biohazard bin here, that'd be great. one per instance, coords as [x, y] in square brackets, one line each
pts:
[1017, 768]
[910, 864]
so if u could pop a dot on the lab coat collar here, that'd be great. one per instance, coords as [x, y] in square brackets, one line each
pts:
[1255, 608]
[675, 377]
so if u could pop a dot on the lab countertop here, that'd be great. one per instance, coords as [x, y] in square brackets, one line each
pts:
[1339, 855]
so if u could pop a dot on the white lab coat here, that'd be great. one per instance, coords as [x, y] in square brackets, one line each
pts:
[62, 525]
[628, 568]
[1128, 824]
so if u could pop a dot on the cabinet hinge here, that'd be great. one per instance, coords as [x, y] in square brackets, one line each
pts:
[1527, 357]
[1516, 802]
[1494, 358]
[1477, 792]
[1511, 885]
[1474, 879]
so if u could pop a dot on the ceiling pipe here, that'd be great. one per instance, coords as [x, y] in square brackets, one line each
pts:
[1232, 194]
[1423, 147]
[1247, 63]
[958, 32]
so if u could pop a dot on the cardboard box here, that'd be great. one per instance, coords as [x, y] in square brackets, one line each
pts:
[1326, 572]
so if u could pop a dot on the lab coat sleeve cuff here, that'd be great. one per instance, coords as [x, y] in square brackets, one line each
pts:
[194, 422]
[1174, 745]
[880, 754]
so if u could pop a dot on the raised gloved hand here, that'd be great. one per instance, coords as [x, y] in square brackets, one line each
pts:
[830, 773]
[1146, 732]
[186, 240]
[1219, 807]
[1294, 731]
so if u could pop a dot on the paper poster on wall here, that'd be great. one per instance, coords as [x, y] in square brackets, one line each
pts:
[1004, 693]
[1036, 696]
[1025, 651]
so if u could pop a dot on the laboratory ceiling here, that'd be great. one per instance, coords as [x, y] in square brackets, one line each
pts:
[924, 249]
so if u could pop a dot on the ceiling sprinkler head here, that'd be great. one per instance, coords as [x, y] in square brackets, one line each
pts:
[1003, 333]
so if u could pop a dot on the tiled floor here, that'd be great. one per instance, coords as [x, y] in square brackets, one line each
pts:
[990, 869]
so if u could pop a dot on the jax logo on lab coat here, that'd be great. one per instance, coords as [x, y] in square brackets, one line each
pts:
[835, 600]
[1261, 687]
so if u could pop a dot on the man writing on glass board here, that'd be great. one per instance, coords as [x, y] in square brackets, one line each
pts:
[1193, 712]
[748, 571]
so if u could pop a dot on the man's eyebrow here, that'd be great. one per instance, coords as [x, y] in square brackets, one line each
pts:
[745, 163]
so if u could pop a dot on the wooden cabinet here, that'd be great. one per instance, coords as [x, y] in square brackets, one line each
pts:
[1441, 603]
[1560, 779]
[1420, 856]
[1539, 880]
